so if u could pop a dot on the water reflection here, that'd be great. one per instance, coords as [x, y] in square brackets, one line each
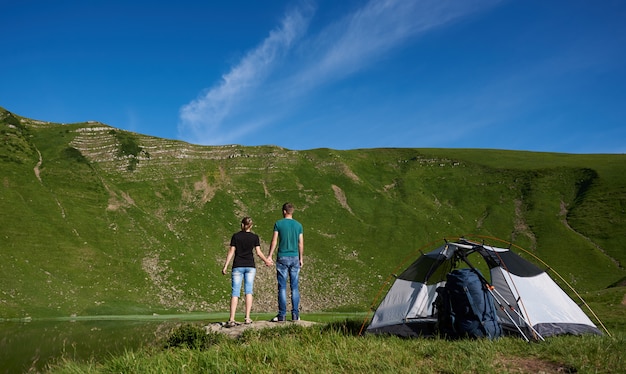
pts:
[31, 345]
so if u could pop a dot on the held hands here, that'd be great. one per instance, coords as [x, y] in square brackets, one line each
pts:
[269, 262]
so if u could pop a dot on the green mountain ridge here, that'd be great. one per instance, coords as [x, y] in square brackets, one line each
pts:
[96, 220]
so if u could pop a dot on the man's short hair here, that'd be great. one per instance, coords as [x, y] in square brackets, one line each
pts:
[288, 207]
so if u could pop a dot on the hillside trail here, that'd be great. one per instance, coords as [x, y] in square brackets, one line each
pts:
[236, 331]
[37, 166]
[37, 171]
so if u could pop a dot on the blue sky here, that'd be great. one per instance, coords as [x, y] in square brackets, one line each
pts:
[522, 75]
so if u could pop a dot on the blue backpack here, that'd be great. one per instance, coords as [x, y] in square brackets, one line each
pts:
[465, 307]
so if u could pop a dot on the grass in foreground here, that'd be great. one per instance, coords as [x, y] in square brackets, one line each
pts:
[336, 347]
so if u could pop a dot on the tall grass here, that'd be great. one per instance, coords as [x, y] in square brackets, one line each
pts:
[336, 347]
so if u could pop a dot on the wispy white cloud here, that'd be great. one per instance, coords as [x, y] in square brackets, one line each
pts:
[201, 118]
[340, 49]
[363, 37]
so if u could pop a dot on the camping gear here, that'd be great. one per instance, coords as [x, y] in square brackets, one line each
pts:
[465, 307]
[528, 302]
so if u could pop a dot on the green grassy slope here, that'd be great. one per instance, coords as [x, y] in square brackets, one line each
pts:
[96, 220]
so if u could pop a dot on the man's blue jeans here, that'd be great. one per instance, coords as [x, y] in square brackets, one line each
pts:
[288, 267]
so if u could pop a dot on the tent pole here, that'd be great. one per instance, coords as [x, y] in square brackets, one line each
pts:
[518, 314]
[490, 289]
[493, 289]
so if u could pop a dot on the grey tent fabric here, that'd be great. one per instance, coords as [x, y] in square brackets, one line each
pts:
[530, 302]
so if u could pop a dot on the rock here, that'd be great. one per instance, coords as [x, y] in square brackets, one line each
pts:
[236, 331]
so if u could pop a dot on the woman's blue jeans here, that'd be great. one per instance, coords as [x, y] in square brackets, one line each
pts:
[288, 267]
[247, 275]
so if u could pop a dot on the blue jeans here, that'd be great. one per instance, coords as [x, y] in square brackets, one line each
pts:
[288, 267]
[248, 280]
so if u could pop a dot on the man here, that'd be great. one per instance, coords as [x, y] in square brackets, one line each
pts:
[288, 235]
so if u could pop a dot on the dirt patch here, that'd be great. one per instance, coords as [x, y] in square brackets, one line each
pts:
[520, 225]
[349, 173]
[389, 187]
[208, 191]
[236, 331]
[532, 365]
[341, 198]
[265, 190]
[36, 168]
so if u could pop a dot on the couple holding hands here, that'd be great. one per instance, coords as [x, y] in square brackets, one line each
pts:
[288, 237]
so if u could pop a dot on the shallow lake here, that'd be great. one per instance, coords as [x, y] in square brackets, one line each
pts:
[30, 345]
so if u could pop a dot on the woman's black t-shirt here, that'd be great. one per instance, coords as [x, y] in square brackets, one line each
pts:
[244, 243]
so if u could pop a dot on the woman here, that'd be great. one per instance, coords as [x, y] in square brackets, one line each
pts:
[242, 245]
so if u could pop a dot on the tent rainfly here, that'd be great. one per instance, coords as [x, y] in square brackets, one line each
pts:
[529, 302]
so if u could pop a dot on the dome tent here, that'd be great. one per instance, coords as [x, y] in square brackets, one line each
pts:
[529, 302]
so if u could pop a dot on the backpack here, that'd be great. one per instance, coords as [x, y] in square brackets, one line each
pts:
[465, 307]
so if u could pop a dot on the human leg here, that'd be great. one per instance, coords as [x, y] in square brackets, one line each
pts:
[294, 280]
[236, 279]
[249, 299]
[282, 272]
[248, 287]
[233, 307]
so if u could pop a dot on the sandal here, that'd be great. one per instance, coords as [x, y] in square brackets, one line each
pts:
[231, 324]
[248, 321]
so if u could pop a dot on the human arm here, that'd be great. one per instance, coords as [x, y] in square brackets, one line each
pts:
[273, 244]
[268, 260]
[301, 248]
[229, 256]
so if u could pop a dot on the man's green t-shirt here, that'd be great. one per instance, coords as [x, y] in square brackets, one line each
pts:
[289, 231]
